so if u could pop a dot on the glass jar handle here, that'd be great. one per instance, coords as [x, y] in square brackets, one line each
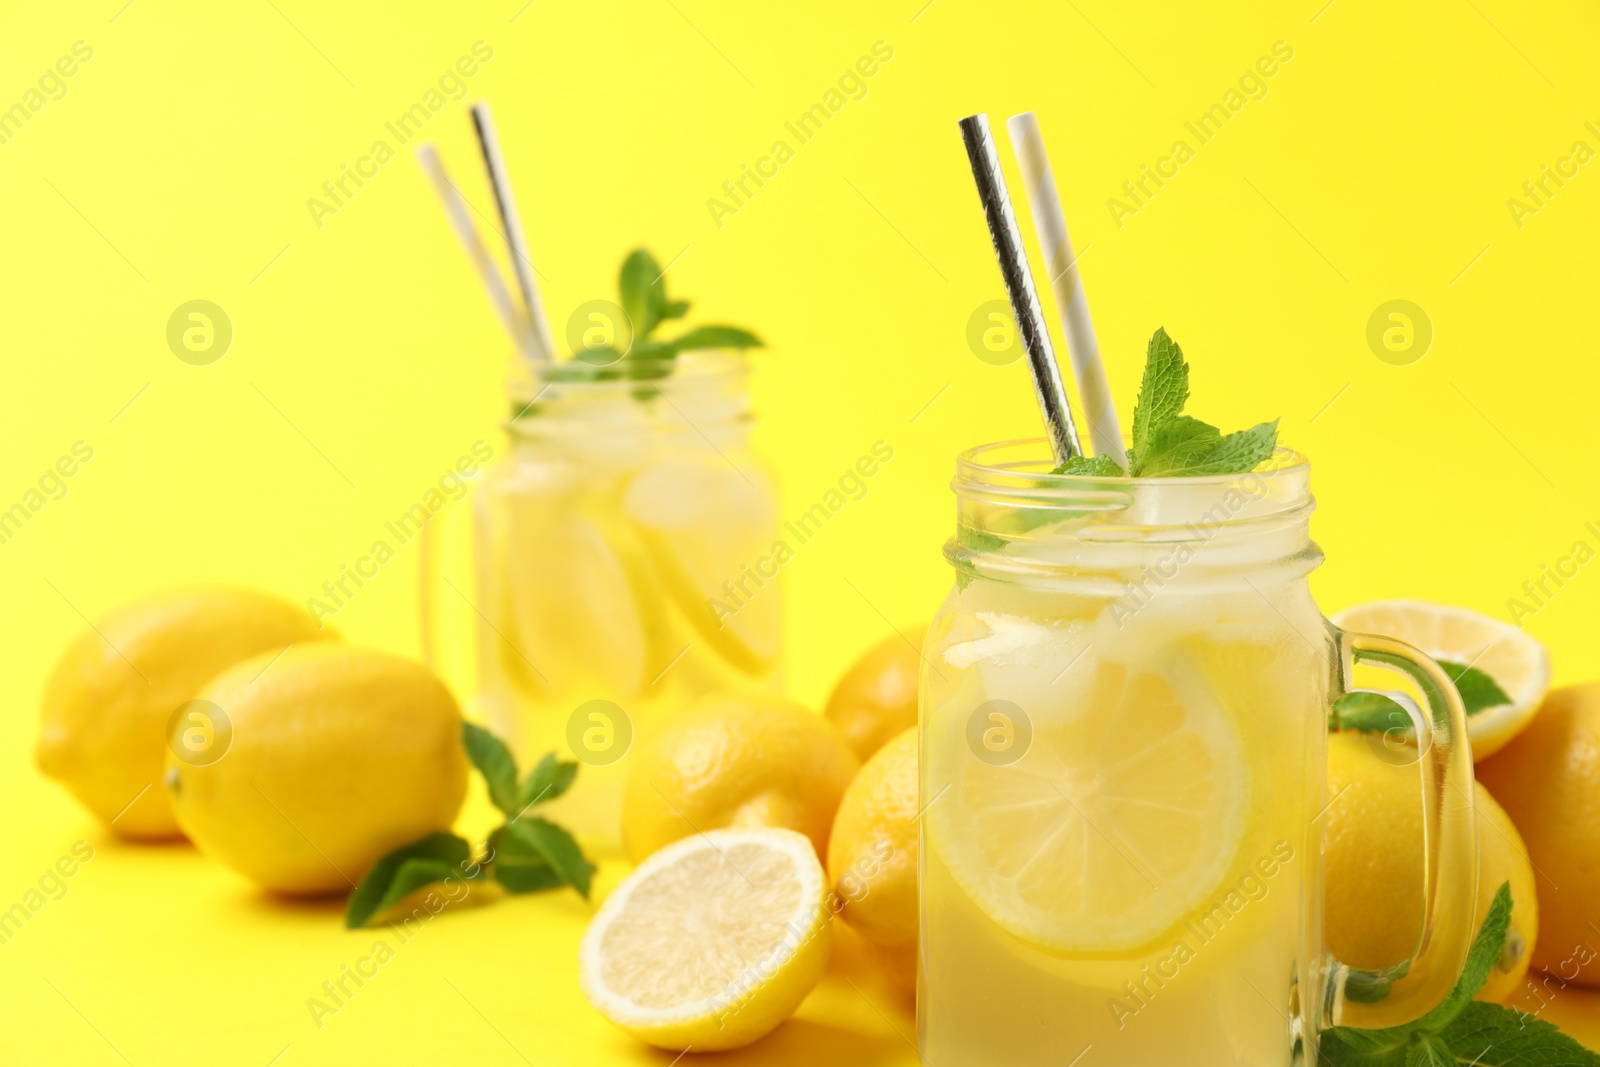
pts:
[1408, 990]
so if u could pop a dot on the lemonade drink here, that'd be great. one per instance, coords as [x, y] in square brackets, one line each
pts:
[615, 548]
[1124, 715]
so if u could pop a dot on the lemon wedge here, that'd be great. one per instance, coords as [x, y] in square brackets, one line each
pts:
[711, 942]
[709, 531]
[576, 611]
[1516, 661]
[1124, 813]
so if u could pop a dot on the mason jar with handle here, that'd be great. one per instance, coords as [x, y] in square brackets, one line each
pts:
[1124, 718]
[615, 547]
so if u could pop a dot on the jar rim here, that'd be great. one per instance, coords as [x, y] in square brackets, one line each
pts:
[698, 367]
[711, 379]
[972, 468]
[1018, 476]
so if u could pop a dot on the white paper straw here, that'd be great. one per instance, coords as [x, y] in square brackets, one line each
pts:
[1018, 279]
[516, 243]
[461, 221]
[1050, 223]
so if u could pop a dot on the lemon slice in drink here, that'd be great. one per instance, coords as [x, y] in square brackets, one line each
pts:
[1123, 815]
[577, 615]
[1516, 661]
[707, 530]
[712, 941]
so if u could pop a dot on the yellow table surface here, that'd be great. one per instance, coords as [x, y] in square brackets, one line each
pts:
[155, 955]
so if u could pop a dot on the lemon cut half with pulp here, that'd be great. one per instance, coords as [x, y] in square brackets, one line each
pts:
[1515, 660]
[1124, 814]
[712, 941]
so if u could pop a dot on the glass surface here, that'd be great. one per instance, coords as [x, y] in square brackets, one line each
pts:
[1124, 715]
[619, 547]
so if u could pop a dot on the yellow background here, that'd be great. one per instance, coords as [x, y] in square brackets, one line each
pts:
[365, 361]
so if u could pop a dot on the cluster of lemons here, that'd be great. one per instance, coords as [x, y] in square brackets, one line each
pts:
[757, 828]
[335, 754]
[730, 814]
[1537, 798]
[754, 824]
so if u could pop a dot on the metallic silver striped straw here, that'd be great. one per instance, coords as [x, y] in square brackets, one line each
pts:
[1018, 278]
[543, 347]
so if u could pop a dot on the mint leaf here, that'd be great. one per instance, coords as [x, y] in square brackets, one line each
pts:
[493, 760]
[1478, 690]
[643, 291]
[549, 778]
[1162, 392]
[1371, 713]
[1348, 1046]
[433, 859]
[1376, 713]
[1481, 958]
[716, 337]
[1241, 451]
[1430, 1052]
[519, 867]
[1175, 447]
[1187, 447]
[1090, 467]
[534, 836]
[1492, 1035]
[1169, 444]
[1462, 1030]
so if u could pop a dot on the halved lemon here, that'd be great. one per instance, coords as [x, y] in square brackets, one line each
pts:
[1516, 661]
[1124, 814]
[712, 941]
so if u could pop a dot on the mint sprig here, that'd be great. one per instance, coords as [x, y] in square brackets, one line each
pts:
[1376, 713]
[526, 854]
[1461, 1030]
[642, 290]
[1169, 444]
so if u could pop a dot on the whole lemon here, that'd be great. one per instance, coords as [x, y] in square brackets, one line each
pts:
[338, 755]
[1548, 778]
[740, 760]
[107, 703]
[876, 698]
[1372, 875]
[872, 857]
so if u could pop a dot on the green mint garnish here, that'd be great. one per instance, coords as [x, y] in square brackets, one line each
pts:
[1091, 467]
[1170, 444]
[642, 289]
[533, 854]
[494, 761]
[1371, 713]
[526, 854]
[1461, 1030]
[434, 859]
[1163, 391]
[1478, 690]
[1376, 713]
